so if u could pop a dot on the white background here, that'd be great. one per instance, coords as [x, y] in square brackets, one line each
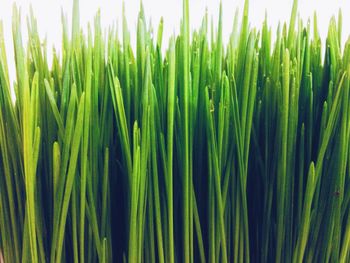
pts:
[48, 14]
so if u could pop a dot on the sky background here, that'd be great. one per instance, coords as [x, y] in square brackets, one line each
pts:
[48, 14]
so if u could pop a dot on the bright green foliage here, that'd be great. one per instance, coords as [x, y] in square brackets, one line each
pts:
[203, 153]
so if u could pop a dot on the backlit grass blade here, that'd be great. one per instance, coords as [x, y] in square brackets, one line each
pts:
[188, 149]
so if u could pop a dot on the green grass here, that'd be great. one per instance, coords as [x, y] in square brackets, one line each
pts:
[186, 149]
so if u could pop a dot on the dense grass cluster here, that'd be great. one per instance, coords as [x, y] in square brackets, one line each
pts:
[203, 153]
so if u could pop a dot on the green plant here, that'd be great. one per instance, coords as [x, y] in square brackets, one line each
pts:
[204, 152]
